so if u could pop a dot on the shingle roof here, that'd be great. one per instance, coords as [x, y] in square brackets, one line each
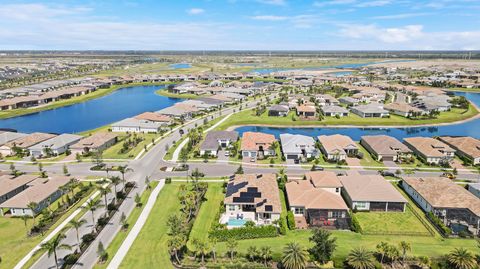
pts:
[385, 145]
[212, 138]
[324, 179]
[428, 146]
[295, 143]
[302, 193]
[6, 137]
[10, 183]
[370, 188]
[252, 140]
[29, 140]
[336, 143]
[57, 142]
[94, 141]
[465, 144]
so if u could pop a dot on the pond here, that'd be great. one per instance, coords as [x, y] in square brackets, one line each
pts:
[180, 66]
[120, 104]
[469, 128]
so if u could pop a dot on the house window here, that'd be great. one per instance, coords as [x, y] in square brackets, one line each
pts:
[337, 189]
[231, 207]
[337, 214]
[361, 205]
[298, 211]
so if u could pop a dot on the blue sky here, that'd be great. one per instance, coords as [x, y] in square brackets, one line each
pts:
[240, 25]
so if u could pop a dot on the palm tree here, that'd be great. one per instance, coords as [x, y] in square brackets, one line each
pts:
[232, 246]
[252, 253]
[76, 224]
[266, 254]
[201, 248]
[53, 245]
[25, 220]
[294, 256]
[33, 206]
[175, 243]
[405, 247]
[213, 243]
[123, 169]
[92, 206]
[360, 258]
[104, 191]
[115, 181]
[382, 249]
[460, 258]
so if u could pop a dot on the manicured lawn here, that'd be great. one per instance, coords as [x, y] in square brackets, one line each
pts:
[131, 219]
[165, 93]
[248, 117]
[114, 151]
[207, 213]
[391, 222]
[367, 159]
[150, 248]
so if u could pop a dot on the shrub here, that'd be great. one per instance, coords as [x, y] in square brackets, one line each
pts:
[439, 224]
[168, 180]
[355, 226]
[245, 233]
[71, 259]
[102, 221]
[291, 220]
[88, 238]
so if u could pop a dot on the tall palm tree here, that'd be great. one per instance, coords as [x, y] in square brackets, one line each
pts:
[266, 254]
[104, 191]
[115, 181]
[92, 206]
[294, 256]
[382, 249]
[175, 243]
[232, 246]
[53, 245]
[405, 247]
[460, 258]
[213, 243]
[360, 258]
[123, 169]
[77, 224]
[202, 249]
[25, 220]
[252, 253]
[33, 206]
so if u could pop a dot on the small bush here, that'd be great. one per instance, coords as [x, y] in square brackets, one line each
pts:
[355, 226]
[168, 180]
[439, 224]
[291, 220]
[71, 259]
[88, 238]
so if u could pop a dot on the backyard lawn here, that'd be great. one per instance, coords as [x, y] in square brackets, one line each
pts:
[150, 248]
[367, 159]
[114, 151]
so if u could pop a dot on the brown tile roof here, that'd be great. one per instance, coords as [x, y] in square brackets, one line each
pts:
[336, 143]
[370, 188]
[428, 146]
[39, 190]
[385, 145]
[443, 193]
[252, 140]
[466, 144]
[306, 108]
[266, 184]
[8, 183]
[303, 193]
[323, 179]
[94, 141]
[151, 116]
[402, 107]
[29, 140]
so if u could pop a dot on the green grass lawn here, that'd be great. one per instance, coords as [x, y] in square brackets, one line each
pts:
[207, 213]
[150, 248]
[165, 93]
[391, 223]
[367, 159]
[131, 219]
[114, 151]
[248, 117]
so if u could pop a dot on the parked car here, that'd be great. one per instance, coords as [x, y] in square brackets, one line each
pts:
[317, 168]
[253, 160]
[181, 131]
[387, 174]
[227, 153]
[296, 161]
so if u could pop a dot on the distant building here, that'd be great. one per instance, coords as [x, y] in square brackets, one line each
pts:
[217, 139]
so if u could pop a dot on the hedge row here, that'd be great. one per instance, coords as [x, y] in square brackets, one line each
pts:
[439, 224]
[356, 227]
[245, 233]
[291, 220]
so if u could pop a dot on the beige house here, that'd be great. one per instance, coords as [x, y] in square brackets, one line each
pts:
[465, 146]
[24, 143]
[94, 143]
[337, 147]
[385, 148]
[430, 150]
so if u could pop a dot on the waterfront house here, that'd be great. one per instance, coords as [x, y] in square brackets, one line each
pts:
[12, 186]
[466, 147]
[42, 191]
[96, 142]
[278, 111]
[337, 147]
[430, 150]
[334, 111]
[133, 125]
[179, 111]
[385, 148]
[6, 137]
[252, 197]
[371, 193]
[23, 143]
[371, 110]
[214, 140]
[456, 207]
[200, 105]
[54, 146]
[155, 117]
[297, 147]
[257, 145]
[350, 101]
[326, 100]
[403, 109]
[306, 111]
[317, 201]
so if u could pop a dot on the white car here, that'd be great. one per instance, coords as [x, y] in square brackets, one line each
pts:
[227, 153]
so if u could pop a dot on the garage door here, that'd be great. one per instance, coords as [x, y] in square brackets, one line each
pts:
[387, 158]
[292, 157]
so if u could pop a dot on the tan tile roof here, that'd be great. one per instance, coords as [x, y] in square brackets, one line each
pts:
[39, 190]
[402, 107]
[443, 193]
[466, 144]
[94, 141]
[324, 179]
[385, 145]
[8, 183]
[29, 140]
[265, 184]
[306, 108]
[151, 116]
[336, 143]
[303, 193]
[253, 140]
[428, 146]
[370, 188]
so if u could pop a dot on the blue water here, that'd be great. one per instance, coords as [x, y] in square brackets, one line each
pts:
[470, 128]
[236, 222]
[180, 66]
[121, 104]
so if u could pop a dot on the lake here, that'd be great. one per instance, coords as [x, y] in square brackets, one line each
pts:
[470, 128]
[120, 104]
[180, 66]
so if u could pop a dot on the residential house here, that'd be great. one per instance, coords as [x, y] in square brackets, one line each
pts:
[334, 111]
[371, 110]
[179, 111]
[371, 193]
[217, 139]
[134, 125]
[326, 100]
[278, 111]
[251, 197]
[466, 147]
[12, 186]
[430, 150]
[298, 146]
[403, 109]
[350, 101]
[42, 191]
[6, 137]
[451, 203]
[23, 143]
[257, 145]
[337, 147]
[306, 111]
[385, 148]
[155, 117]
[97, 142]
[474, 188]
[54, 146]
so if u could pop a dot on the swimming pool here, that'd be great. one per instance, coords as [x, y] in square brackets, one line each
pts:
[236, 222]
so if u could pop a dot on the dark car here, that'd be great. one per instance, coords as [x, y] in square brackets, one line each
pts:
[181, 131]
[296, 161]
[317, 168]
[387, 174]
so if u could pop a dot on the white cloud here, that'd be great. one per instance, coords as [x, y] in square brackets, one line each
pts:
[273, 2]
[387, 35]
[377, 3]
[195, 11]
[269, 18]
[332, 2]
[400, 16]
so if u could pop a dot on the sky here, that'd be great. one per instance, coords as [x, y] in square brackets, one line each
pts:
[240, 25]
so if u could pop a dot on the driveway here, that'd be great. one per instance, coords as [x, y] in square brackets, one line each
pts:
[221, 155]
[353, 161]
